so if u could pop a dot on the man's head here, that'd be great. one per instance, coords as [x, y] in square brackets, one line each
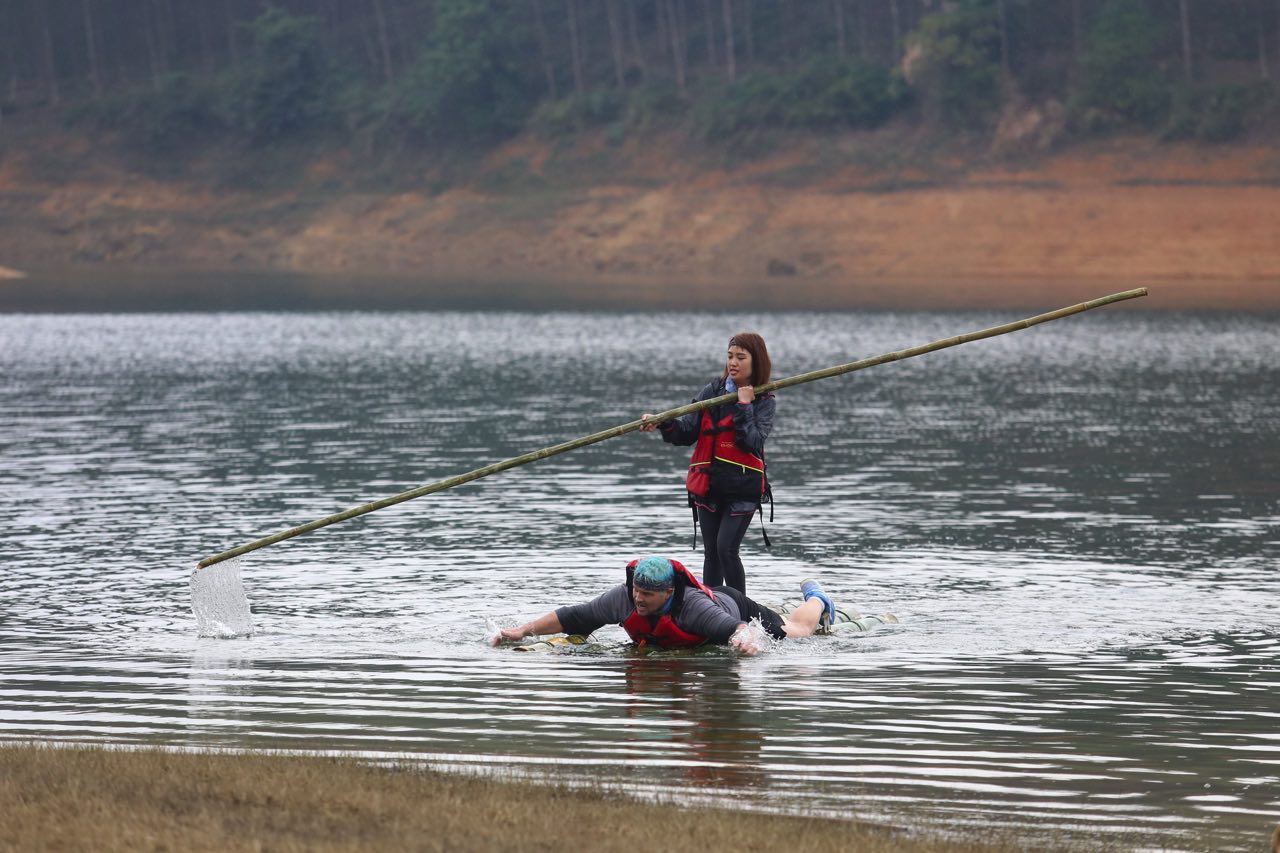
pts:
[652, 584]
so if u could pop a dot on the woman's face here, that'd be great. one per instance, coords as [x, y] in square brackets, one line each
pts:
[739, 364]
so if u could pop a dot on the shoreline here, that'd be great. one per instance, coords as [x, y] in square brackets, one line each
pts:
[125, 289]
[58, 796]
[646, 227]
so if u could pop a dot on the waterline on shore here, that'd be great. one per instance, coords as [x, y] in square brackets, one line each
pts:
[115, 799]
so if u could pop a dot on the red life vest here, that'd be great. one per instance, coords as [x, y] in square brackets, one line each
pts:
[665, 633]
[717, 443]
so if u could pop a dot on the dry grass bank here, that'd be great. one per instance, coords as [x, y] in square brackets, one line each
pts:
[107, 799]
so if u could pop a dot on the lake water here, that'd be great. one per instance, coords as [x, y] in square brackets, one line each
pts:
[1078, 526]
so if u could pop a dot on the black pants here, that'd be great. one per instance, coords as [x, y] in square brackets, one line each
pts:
[748, 610]
[721, 537]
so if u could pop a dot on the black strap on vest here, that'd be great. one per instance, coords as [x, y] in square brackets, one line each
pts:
[767, 496]
[694, 509]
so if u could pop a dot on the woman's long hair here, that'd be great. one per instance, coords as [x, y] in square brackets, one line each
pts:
[761, 367]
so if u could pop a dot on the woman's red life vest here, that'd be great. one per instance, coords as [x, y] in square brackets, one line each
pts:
[716, 443]
[665, 633]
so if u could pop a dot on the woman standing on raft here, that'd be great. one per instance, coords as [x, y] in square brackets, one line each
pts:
[726, 480]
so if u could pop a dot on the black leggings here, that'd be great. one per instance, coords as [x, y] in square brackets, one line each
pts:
[748, 610]
[721, 536]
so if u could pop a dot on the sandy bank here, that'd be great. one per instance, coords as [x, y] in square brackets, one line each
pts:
[1200, 227]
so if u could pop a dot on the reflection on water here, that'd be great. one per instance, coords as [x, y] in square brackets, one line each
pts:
[1076, 524]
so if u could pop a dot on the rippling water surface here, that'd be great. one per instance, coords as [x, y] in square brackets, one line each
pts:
[1078, 526]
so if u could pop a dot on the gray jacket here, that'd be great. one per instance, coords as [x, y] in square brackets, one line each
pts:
[716, 620]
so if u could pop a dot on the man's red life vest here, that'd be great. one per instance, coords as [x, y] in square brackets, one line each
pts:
[716, 443]
[665, 633]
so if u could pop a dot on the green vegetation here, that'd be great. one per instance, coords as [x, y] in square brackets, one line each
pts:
[826, 94]
[1121, 82]
[164, 115]
[468, 85]
[959, 69]
[464, 74]
[288, 81]
[1215, 113]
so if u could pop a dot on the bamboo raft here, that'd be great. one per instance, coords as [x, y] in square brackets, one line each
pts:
[847, 621]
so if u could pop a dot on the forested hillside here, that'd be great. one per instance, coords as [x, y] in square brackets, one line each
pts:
[433, 73]
[822, 151]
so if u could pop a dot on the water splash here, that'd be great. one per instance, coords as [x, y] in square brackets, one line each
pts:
[753, 639]
[219, 602]
[492, 632]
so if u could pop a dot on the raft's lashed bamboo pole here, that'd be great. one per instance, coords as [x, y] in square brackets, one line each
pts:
[632, 426]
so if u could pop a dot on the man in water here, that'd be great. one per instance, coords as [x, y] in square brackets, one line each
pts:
[663, 604]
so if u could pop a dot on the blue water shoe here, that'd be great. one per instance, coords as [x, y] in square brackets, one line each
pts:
[810, 588]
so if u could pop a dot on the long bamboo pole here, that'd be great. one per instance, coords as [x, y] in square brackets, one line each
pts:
[632, 426]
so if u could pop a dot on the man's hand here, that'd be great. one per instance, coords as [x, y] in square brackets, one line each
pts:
[509, 635]
[548, 623]
[744, 641]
